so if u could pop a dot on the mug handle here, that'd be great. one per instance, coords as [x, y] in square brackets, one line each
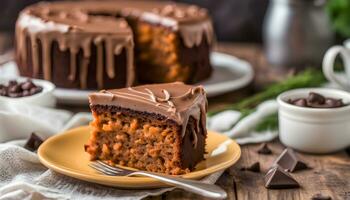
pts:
[328, 65]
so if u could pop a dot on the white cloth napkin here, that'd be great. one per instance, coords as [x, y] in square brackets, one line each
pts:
[22, 176]
[18, 120]
[228, 123]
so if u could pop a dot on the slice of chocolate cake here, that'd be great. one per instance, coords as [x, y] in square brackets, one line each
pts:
[158, 128]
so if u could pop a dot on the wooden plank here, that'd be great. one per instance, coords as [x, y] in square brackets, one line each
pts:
[330, 175]
[226, 181]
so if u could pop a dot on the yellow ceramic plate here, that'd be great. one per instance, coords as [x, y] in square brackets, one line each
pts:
[65, 154]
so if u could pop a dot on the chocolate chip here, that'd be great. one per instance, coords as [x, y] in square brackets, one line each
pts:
[32, 91]
[27, 85]
[26, 93]
[316, 98]
[39, 88]
[264, 149]
[300, 102]
[35, 90]
[15, 95]
[15, 89]
[12, 82]
[332, 103]
[255, 167]
[339, 103]
[33, 142]
[319, 196]
[289, 161]
[278, 178]
[3, 92]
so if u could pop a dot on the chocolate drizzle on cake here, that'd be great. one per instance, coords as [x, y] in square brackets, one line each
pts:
[164, 99]
[74, 33]
[76, 27]
[178, 19]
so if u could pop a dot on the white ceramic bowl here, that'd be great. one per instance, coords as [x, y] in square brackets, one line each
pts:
[314, 130]
[44, 98]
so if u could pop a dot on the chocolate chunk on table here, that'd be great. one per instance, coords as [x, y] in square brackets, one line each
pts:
[289, 161]
[255, 167]
[278, 178]
[264, 149]
[33, 142]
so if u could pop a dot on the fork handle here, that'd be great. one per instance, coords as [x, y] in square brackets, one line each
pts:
[203, 189]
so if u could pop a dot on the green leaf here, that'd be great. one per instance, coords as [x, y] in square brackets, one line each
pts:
[339, 13]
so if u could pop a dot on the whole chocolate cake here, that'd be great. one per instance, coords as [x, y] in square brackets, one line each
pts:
[96, 44]
[158, 128]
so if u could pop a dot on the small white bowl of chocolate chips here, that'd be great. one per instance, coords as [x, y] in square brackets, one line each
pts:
[314, 120]
[25, 90]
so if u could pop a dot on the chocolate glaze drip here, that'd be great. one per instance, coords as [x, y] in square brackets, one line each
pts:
[74, 34]
[176, 100]
[182, 19]
[76, 26]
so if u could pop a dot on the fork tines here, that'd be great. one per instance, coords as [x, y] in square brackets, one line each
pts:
[107, 169]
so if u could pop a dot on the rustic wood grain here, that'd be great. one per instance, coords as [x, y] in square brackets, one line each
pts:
[330, 175]
[226, 181]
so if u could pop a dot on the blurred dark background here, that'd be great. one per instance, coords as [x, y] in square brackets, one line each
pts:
[234, 20]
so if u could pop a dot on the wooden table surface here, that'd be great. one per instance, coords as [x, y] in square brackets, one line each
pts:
[330, 174]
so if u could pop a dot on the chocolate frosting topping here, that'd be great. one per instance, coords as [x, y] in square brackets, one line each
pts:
[79, 24]
[176, 101]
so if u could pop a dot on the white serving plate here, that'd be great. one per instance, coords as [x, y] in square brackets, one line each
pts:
[230, 73]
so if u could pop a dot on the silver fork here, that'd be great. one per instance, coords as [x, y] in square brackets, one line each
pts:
[203, 189]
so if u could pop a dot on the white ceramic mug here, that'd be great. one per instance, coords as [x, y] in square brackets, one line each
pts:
[328, 65]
